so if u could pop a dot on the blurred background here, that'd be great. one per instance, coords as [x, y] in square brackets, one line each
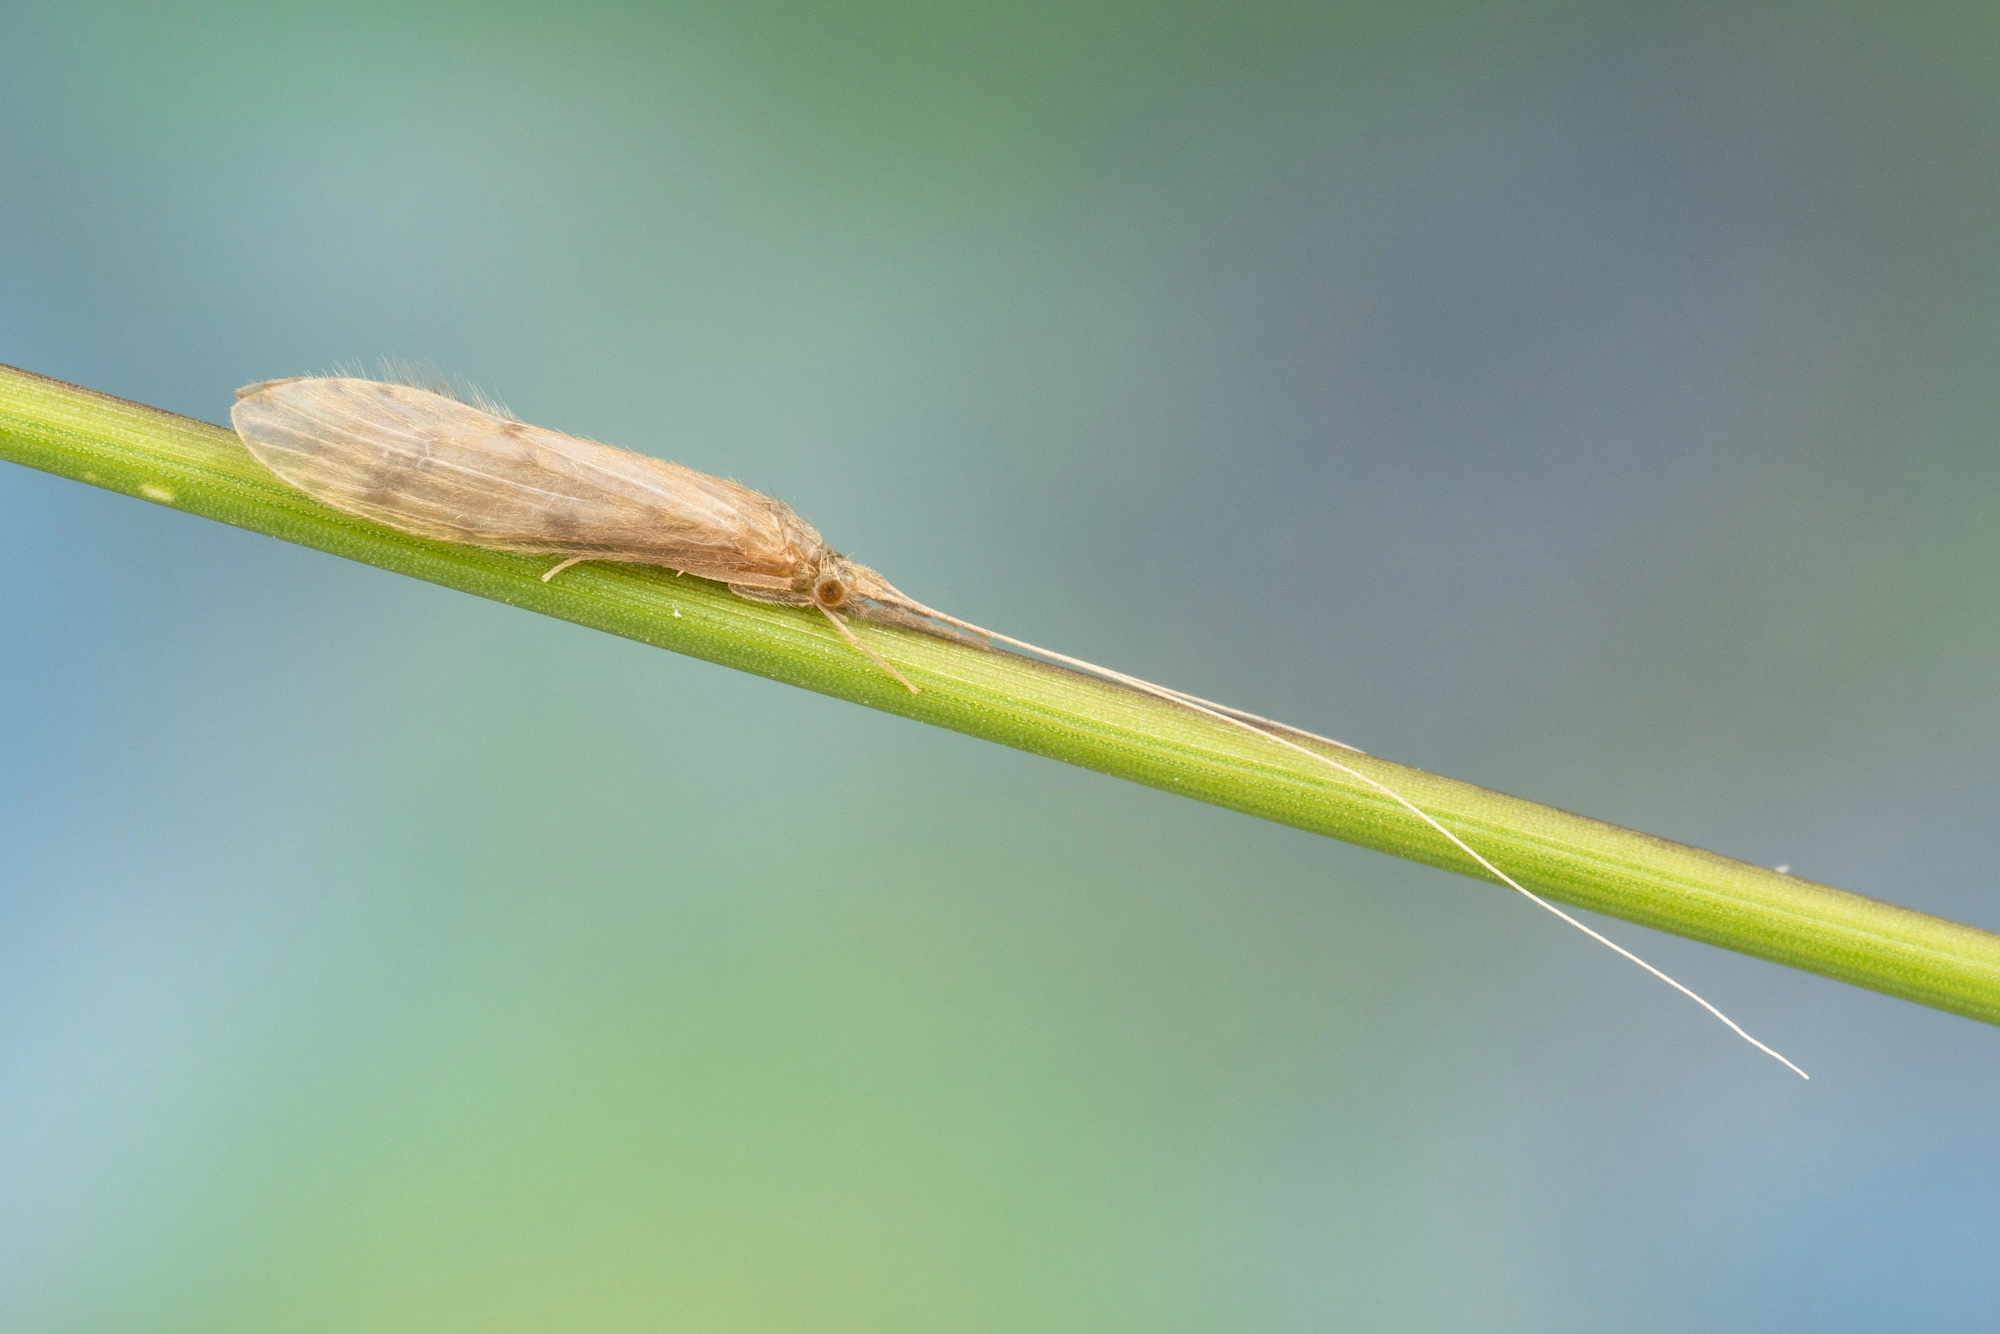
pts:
[1593, 401]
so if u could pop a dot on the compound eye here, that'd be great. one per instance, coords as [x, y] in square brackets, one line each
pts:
[830, 592]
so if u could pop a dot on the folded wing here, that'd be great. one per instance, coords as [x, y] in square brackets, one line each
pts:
[431, 465]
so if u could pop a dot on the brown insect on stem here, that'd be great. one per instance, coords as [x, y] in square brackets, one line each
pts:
[431, 464]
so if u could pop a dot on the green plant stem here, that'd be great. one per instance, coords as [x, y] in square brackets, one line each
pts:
[204, 470]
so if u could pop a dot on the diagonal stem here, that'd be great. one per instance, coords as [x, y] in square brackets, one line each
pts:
[1034, 706]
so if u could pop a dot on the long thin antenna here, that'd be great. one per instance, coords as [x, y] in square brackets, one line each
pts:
[1245, 721]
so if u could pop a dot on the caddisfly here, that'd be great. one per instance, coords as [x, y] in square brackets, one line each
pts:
[431, 464]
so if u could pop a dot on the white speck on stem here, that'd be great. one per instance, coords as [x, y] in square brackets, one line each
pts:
[156, 493]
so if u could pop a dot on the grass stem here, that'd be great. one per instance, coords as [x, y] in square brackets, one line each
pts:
[203, 469]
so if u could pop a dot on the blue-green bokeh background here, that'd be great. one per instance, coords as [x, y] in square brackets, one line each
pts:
[1594, 401]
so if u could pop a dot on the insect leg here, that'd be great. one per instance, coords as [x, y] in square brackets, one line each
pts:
[855, 640]
[564, 566]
